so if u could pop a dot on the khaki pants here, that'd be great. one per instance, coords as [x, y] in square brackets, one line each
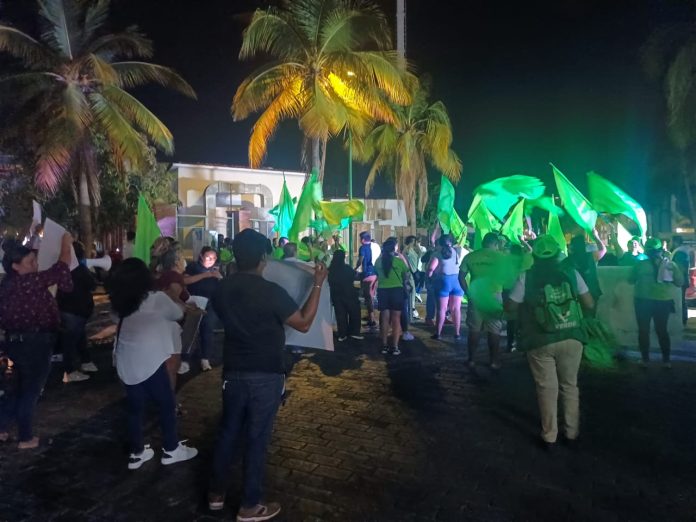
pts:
[555, 368]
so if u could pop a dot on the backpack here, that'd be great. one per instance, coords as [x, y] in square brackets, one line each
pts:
[556, 309]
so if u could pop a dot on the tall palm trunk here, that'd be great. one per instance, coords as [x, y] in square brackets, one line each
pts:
[412, 220]
[316, 154]
[85, 212]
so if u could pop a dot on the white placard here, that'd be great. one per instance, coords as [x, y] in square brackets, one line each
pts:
[297, 280]
[616, 309]
[49, 251]
[198, 300]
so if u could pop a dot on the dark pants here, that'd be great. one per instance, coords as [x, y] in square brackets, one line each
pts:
[406, 313]
[31, 354]
[347, 310]
[250, 401]
[431, 299]
[158, 388]
[658, 311]
[205, 332]
[419, 280]
[73, 341]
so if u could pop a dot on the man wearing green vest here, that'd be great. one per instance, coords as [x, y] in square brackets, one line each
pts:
[548, 301]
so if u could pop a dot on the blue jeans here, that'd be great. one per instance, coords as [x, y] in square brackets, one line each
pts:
[250, 401]
[73, 341]
[31, 354]
[158, 388]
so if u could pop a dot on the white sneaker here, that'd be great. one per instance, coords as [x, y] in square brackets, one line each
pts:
[357, 337]
[419, 298]
[180, 454]
[205, 365]
[416, 315]
[137, 460]
[184, 368]
[408, 336]
[341, 339]
[89, 367]
[74, 377]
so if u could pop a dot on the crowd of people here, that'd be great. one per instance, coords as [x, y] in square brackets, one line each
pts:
[164, 310]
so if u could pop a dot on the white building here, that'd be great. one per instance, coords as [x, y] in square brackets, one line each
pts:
[219, 200]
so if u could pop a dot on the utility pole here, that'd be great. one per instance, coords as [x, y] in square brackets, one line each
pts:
[401, 31]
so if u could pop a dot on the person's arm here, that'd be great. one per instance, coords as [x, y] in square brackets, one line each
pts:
[526, 246]
[66, 249]
[359, 263]
[171, 309]
[584, 295]
[191, 279]
[601, 247]
[432, 266]
[302, 319]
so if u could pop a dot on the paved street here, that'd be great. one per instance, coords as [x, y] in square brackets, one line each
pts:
[368, 438]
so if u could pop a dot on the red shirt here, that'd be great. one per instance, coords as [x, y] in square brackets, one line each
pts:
[170, 277]
[26, 305]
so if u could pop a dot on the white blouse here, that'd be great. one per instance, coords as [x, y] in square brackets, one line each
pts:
[147, 338]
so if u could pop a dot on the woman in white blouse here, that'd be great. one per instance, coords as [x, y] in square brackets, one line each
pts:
[142, 348]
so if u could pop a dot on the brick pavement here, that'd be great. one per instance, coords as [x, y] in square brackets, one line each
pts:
[368, 438]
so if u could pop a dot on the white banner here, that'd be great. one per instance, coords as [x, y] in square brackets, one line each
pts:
[616, 309]
[297, 280]
[49, 251]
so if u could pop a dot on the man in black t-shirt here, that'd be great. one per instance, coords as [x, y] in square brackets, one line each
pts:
[254, 312]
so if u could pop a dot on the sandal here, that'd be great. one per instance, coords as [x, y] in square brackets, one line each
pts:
[34, 443]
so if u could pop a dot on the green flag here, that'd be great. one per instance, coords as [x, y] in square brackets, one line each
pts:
[449, 219]
[574, 203]
[311, 195]
[502, 193]
[484, 221]
[285, 213]
[555, 231]
[607, 197]
[545, 203]
[146, 231]
[513, 228]
[335, 212]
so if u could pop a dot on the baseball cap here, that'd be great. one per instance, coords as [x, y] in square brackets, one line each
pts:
[653, 243]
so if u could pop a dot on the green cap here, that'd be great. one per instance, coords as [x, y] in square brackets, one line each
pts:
[545, 247]
[653, 243]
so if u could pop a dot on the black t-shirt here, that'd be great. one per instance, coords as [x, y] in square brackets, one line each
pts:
[205, 287]
[80, 301]
[253, 311]
[341, 281]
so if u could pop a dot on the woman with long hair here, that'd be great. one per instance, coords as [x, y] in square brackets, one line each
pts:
[391, 274]
[30, 317]
[145, 340]
[444, 268]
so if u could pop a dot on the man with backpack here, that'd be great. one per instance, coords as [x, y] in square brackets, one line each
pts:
[548, 301]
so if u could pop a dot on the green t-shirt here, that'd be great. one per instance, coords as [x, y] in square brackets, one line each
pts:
[647, 287]
[395, 279]
[484, 262]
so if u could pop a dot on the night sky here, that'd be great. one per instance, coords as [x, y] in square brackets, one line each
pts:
[525, 83]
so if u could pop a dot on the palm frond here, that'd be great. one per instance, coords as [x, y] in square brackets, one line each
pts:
[263, 85]
[273, 32]
[128, 44]
[133, 74]
[661, 46]
[145, 120]
[75, 107]
[102, 71]
[380, 69]
[323, 116]
[680, 88]
[95, 17]
[349, 27]
[20, 45]
[125, 143]
[288, 104]
[62, 32]
[52, 165]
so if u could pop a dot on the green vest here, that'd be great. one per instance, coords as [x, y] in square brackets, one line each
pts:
[531, 335]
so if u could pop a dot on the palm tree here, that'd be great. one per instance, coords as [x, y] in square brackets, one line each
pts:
[421, 134]
[670, 55]
[72, 87]
[332, 70]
